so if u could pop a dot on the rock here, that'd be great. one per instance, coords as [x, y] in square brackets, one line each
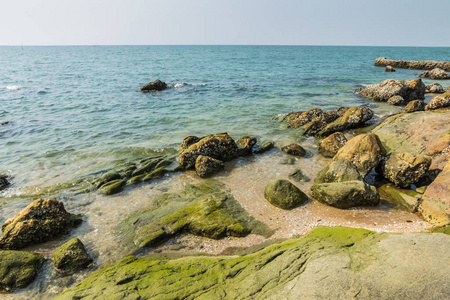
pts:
[246, 144]
[288, 161]
[409, 90]
[188, 141]
[136, 179]
[436, 73]
[127, 171]
[219, 146]
[262, 147]
[105, 178]
[294, 149]
[299, 176]
[339, 171]
[150, 165]
[18, 269]
[365, 151]
[284, 194]
[113, 187]
[71, 257]
[435, 205]
[407, 199]
[345, 194]
[389, 69]
[329, 146]
[332, 262]
[434, 88]
[396, 100]
[155, 174]
[403, 169]
[41, 221]
[416, 105]
[206, 166]
[315, 115]
[352, 118]
[4, 182]
[156, 85]
[413, 64]
[439, 101]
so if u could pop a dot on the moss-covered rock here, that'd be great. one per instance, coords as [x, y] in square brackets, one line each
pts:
[113, 187]
[40, 221]
[206, 209]
[262, 147]
[71, 257]
[206, 166]
[299, 176]
[105, 178]
[328, 263]
[407, 199]
[188, 141]
[283, 194]
[294, 149]
[18, 269]
[330, 145]
[339, 171]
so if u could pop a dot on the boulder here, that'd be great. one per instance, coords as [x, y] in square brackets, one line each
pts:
[246, 144]
[113, 187]
[262, 147]
[71, 257]
[340, 170]
[40, 221]
[435, 205]
[396, 100]
[345, 194]
[316, 115]
[389, 69]
[329, 146]
[4, 182]
[294, 149]
[206, 166]
[283, 194]
[436, 73]
[413, 64]
[415, 105]
[365, 151]
[408, 89]
[352, 118]
[434, 88]
[219, 146]
[403, 169]
[439, 101]
[156, 85]
[188, 141]
[18, 269]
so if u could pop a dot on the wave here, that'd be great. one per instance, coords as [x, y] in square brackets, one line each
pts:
[13, 87]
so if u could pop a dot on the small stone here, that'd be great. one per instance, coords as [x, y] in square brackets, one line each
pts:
[206, 166]
[396, 100]
[260, 148]
[299, 176]
[389, 69]
[294, 149]
[71, 257]
[434, 88]
[283, 194]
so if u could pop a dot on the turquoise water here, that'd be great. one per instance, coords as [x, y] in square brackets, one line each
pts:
[75, 110]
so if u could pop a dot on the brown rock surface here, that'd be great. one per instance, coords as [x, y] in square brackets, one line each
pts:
[434, 88]
[439, 101]
[416, 105]
[436, 73]
[413, 64]
[329, 146]
[403, 169]
[408, 89]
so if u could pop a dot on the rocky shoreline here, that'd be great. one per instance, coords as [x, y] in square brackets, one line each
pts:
[413, 64]
[403, 160]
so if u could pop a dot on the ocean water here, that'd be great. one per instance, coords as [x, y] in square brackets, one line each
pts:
[75, 110]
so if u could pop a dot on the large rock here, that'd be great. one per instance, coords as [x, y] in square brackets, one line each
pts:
[352, 118]
[435, 205]
[4, 182]
[156, 85]
[206, 166]
[346, 194]
[339, 171]
[294, 149]
[40, 221]
[413, 64]
[408, 89]
[439, 101]
[327, 263]
[403, 169]
[436, 73]
[330, 145]
[415, 105]
[283, 194]
[434, 88]
[18, 269]
[219, 146]
[71, 257]
[365, 151]
[246, 144]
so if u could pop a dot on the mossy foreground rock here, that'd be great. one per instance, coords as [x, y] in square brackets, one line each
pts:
[17, 269]
[206, 209]
[40, 221]
[71, 256]
[328, 263]
[283, 194]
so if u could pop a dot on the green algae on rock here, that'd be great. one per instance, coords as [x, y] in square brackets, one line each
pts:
[332, 262]
[407, 199]
[18, 269]
[283, 194]
[70, 257]
[205, 209]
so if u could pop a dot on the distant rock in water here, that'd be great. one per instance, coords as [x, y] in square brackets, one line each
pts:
[389, 69]
[4, 182]
[156, 85]
[434, 88]
[408, 89]
[413, 64]
[436, 73]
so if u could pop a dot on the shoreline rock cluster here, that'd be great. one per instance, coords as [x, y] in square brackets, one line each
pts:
[413, 64]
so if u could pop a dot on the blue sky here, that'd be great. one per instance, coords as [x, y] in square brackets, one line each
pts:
[254, 22]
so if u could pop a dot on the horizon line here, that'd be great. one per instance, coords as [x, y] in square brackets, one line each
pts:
[275, 45]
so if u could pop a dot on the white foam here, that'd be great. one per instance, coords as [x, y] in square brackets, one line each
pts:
[13, 87]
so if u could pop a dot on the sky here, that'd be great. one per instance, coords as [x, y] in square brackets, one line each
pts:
[223, 22]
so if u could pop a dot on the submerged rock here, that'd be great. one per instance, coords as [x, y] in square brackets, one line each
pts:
[413, 64]
[403, 169]
[294, 149]
[389, 69]
[4, 182]
[262, 147]
[439, 101]
[299, 176]
[407, 199]
[40, 221]
[434, 88]
[113, 187]
[436, 73]
[408, 89]
[18, 269]
[246, 144]
[206, 166]
[284, 194]
[71, 257]
[156, 85]
[219, 146]
[416, 105]
[105, 178]
[329, 146]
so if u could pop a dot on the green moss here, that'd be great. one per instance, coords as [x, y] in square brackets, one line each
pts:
[444, 229]
[17, 269]
[406, 199]
[71, 256]
[113, 187]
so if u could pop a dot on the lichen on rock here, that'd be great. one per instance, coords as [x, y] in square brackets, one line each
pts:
[18, 269]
